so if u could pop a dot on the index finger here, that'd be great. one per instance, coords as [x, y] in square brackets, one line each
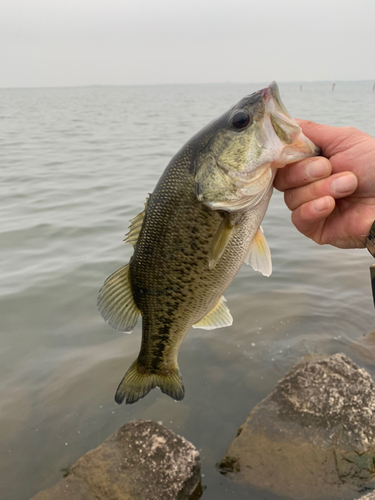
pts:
[302, 172]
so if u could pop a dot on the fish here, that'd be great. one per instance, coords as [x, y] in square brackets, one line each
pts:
[199, 225]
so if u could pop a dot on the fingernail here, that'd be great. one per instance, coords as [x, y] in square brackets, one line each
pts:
[317, 169]
[321, 204]
[344, 184]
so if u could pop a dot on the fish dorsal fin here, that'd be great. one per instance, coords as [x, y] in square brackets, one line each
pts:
[259, 254]
[218, 317]
[221, 240]
[116, 303]
[136, 226]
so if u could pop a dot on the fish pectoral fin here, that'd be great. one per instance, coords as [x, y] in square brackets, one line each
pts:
[116, 303]
[259, 254]
[136, 226]
[221, 240]
[218, 317]
[137, 383]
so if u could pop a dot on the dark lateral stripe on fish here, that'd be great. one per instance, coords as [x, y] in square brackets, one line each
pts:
[164, 337]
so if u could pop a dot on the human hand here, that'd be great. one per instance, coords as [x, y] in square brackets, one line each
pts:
[332, 197]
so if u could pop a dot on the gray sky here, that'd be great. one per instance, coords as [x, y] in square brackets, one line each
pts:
[83, 42]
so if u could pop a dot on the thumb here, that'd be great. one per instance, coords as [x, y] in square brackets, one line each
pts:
[321, 135]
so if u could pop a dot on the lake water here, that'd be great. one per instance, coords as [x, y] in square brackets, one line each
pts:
[76, 166]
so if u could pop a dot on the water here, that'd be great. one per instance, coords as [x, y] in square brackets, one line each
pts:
[76, 166]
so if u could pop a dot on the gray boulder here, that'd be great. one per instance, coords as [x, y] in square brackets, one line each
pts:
[313, 437]
[141, 461]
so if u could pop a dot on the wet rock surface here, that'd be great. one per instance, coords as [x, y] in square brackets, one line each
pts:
[141, 461]
[313, 437]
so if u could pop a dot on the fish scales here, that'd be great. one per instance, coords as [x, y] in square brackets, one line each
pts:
[172, 284]
[200, 224]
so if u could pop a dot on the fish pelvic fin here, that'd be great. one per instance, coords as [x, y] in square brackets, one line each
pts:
[138, 382]
[259, 254]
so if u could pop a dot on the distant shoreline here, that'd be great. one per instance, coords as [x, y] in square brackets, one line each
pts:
[280, 82]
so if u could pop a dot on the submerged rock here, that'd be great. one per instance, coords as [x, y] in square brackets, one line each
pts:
[313, 437]
[141, 461]
[364, 347]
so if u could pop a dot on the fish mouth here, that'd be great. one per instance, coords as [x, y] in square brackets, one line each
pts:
[296, 145]
[272, 93]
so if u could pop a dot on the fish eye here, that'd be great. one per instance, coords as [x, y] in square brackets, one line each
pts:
[240, 119]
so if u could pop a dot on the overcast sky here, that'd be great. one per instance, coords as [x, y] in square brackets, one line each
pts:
[85, 42]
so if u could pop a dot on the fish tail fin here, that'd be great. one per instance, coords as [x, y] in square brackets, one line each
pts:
[138, 382]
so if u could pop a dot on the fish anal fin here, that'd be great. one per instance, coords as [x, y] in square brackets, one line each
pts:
[221, 240]
[259, 254]
[218, 317]
[136, 226]
[116, 303]
[138, 382]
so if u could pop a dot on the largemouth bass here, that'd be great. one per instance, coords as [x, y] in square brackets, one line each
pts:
[200, 224]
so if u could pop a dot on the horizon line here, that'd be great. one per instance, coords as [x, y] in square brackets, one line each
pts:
[89, 85]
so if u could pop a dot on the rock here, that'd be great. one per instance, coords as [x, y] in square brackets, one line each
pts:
[141, 461]
[369, 496]
[70, 488]
[313, 437]
[364, 347]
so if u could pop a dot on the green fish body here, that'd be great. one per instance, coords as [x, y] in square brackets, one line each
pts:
[200, 224]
